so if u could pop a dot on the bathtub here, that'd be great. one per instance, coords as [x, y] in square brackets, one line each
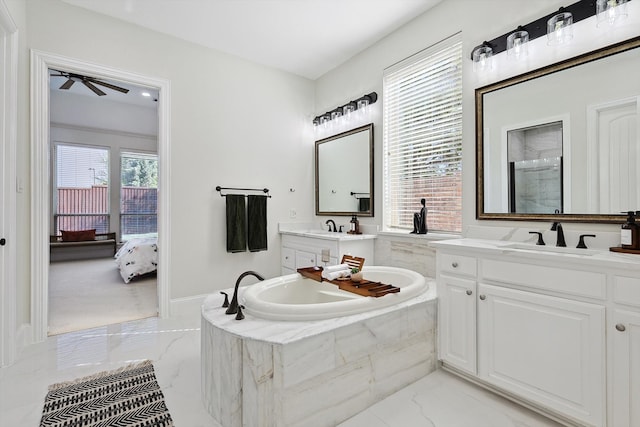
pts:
[294, 297]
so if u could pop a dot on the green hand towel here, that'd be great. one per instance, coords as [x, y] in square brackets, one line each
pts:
[257, 223]
[236, 223]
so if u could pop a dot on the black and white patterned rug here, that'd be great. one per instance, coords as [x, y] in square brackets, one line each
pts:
[128, 396]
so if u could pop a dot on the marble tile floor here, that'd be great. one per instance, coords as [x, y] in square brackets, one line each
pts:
[439, 400]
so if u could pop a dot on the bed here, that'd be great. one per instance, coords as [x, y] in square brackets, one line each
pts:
[137, 257]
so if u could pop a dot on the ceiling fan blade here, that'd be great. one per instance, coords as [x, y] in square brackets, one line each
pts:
[109, 85]
[93, 88]
[67, 84]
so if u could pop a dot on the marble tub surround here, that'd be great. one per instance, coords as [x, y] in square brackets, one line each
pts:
[315, 373]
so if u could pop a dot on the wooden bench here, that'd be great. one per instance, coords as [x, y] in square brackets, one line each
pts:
[103, 246]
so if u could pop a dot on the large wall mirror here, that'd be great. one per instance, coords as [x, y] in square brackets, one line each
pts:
[344, 173]
[562, 142]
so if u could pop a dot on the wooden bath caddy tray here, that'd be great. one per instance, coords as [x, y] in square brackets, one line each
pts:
[625, 250]
[364, 287]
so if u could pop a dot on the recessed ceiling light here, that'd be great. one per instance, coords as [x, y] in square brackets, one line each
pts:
[146, 94]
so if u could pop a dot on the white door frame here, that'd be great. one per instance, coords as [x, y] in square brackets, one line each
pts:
[40, 192]
[8, 136]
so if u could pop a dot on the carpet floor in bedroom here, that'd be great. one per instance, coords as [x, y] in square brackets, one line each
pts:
[90, 293]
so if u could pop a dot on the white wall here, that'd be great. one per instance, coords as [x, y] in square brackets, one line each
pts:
[233, 123]
[477, 20]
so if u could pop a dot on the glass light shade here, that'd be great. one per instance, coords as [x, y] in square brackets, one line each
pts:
[335, 115]
[363, 103]
[610, 11]
[347, 110]
[482, 58]
[517, 44]
[559, 29]
[324, 120]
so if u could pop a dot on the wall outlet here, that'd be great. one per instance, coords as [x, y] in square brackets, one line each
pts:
[326, 255]
[292, 213]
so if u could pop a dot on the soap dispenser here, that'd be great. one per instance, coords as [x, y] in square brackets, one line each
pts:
[629, 233]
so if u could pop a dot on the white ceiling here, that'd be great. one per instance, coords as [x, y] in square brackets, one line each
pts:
[134, 96]
[304, 37]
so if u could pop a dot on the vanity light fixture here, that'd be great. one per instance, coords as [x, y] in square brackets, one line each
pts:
[559, 28]
[610, 11]
[346, 111]
[517, 44]
[481, 57]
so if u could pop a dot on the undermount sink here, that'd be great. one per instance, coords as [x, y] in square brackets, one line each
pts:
[550, 249]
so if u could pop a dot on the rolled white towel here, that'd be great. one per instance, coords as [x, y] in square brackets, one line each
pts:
[332, 268]
[333, 275]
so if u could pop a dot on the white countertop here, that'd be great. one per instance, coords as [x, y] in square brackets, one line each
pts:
[282, 332]
[593, 257]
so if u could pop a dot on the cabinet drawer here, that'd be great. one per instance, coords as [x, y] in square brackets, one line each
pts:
[573, 282]
[289, 258]
[457, 264]
[626, 290]
[305, 259]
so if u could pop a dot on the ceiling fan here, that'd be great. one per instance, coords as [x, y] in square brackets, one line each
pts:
[89, 82]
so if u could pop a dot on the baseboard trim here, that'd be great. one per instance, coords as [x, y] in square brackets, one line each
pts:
[186, 305]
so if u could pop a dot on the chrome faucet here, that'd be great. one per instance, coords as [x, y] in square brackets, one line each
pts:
[557, 227]
[329, 222]
[233, 306]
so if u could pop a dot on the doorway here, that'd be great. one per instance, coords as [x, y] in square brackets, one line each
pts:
[103, 142]
[8, 187]
[40, 175]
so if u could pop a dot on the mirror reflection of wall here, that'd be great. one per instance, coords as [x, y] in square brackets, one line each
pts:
[535, 168]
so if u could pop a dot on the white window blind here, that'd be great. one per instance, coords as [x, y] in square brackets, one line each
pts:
[422, 137]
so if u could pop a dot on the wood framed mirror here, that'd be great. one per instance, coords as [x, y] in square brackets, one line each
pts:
[344, 173]
[562, 142]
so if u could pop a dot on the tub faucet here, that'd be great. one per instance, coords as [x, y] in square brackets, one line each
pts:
[557, 227]
[233, 306]
[329, 222]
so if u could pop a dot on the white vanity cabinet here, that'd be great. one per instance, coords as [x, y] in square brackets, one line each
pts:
[624, 370]
[457, 318]
[300, 250]
[560, 333]
[547, 349]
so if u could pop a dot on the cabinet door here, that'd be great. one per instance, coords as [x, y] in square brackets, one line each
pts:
[457, 322]
[305, 259]
[546, 349]
[625, 400]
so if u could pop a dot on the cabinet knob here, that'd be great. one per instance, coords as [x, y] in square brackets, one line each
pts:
[469, 292]
[620, 327]
[454, 264]
[483, 297]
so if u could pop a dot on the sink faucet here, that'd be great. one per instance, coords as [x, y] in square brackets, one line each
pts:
[233, 306]
[329, 222]
[557, 227]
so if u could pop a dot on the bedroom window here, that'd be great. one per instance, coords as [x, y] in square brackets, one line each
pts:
[81, 199]
[422, 137]
[138, 195]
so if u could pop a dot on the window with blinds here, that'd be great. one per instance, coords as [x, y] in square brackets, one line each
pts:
[138, 195]
[81, 197]
[422, 137]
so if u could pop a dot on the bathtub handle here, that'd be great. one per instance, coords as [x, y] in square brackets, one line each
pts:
[226, 299]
